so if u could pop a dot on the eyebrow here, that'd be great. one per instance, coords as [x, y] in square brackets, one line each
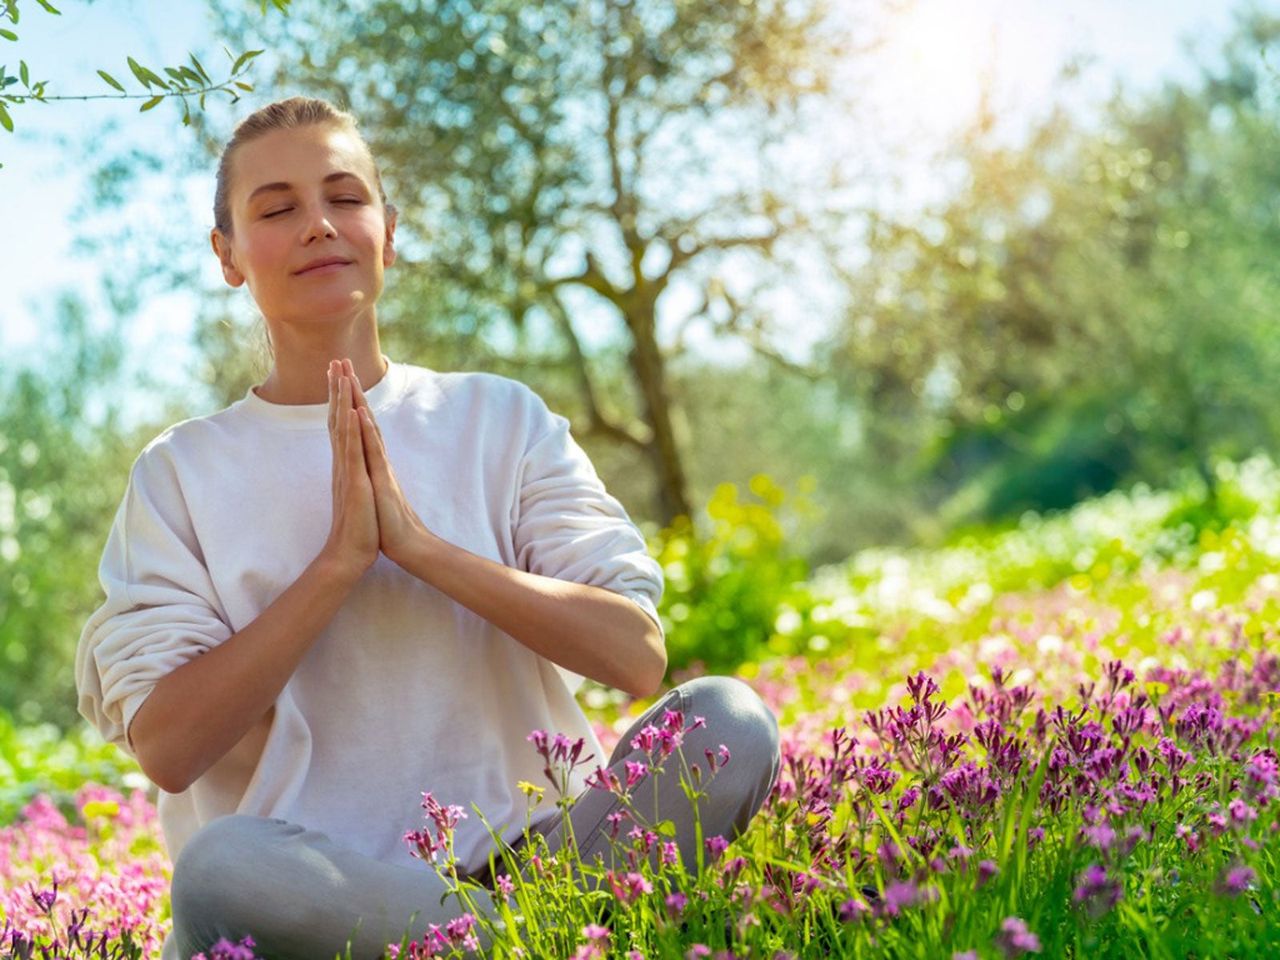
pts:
[280, 185]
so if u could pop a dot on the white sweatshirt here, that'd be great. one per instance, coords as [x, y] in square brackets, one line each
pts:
[406, 690]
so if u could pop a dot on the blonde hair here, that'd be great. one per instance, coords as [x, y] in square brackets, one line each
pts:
[284, 115]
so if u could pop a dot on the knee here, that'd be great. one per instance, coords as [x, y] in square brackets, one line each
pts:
[735, 716]
[216, 861]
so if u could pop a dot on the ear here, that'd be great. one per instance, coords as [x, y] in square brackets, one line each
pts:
[388, 247]
[223, 251]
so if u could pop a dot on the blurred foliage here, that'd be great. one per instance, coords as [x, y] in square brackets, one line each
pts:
[41, 758]
[62, 473]
[65, 455]
[724, 588]
[1092, 308]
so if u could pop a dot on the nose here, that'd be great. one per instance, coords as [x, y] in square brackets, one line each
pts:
[317, 224]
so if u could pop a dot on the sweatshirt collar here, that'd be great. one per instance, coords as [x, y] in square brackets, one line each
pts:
[315, 416]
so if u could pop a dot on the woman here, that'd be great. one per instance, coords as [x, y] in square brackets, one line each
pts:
[362, 581]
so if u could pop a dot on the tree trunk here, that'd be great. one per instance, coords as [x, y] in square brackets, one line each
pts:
[649, 368]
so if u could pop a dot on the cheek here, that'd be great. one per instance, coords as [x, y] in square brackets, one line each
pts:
[267, 253]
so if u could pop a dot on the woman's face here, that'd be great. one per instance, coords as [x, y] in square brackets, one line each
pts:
[298, 196]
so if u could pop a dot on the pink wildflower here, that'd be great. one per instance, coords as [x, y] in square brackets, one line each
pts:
[670, 854]
[635, 773]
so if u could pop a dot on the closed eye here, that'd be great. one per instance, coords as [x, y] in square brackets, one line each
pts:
[267, 216]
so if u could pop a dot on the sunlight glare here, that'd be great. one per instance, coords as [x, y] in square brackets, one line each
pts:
[937, 57]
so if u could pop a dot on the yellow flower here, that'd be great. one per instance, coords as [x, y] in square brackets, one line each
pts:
[101, 808]
[529, 790]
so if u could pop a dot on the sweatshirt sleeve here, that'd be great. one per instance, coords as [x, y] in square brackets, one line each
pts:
[160, 610]
[569, 527]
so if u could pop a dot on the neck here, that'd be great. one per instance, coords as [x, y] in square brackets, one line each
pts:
[299, 374]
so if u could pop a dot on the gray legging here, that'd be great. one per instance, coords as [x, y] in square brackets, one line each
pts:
[301, 896]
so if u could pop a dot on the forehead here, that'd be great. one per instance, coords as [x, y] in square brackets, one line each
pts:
[298, 158]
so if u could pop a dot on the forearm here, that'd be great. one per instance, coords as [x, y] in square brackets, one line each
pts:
[205, 707]
[589, 630]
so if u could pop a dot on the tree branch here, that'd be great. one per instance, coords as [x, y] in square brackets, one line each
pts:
[592, 278]
[600, 424]
[752, 335]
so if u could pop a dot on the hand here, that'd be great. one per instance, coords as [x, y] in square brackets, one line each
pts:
[399, 527]
[353, 537]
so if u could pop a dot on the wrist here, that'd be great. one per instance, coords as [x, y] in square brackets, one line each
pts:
[417, 552]
[338, 573]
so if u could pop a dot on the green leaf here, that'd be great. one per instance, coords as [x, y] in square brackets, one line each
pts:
[178, 76]
[243, 59]
[22, 71]
[202, 96]
[190, 74]
[155, 79]
[150, 103]
[186, 114]
[111, 80]
[8, 34]
[139, 72]
[247, 87]
[11, 10]
[5, 120]
[196, 63]
[50, 7]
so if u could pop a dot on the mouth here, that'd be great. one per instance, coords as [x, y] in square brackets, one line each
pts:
[330, 267]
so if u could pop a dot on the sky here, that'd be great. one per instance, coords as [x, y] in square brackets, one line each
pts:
[927, 81]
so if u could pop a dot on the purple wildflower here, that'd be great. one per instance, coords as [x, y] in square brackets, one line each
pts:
[986, 870]
[44, 900]
[1096, 892]
[1237, 880]
[1015, 939]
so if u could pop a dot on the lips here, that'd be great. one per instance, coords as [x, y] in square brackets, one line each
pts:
[323, 262]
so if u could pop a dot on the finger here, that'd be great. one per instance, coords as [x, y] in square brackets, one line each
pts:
[333, 396]
[375, 455]
[357, 441]
[352, 455]
[362, 401]
[334, 450]
[369, 442]
[343, 424]
[339, 448]
[358, 390]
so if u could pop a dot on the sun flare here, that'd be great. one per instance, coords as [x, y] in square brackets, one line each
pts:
[935, 61]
